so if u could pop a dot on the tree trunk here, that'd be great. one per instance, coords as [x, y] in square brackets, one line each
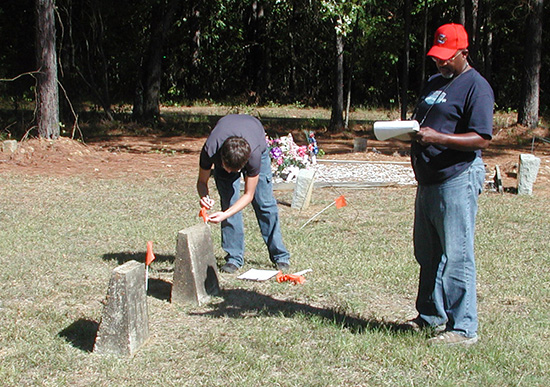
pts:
[472, 10]
[424, 47]
[337, 114]
[47, 92]
[528, 113]
[406, 53]
[147, 102]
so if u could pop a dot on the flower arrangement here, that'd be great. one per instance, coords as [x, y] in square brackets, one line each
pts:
[287, 158]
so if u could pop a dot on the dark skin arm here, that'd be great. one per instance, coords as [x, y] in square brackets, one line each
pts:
[463, 142]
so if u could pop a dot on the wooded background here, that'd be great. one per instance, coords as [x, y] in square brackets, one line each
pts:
[330, 53]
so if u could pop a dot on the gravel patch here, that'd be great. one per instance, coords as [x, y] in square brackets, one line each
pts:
[364, 172]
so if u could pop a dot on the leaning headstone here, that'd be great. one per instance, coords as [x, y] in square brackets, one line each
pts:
[303, 189]
[527, 174]
[124, 326]
[359, 144]
[9, 146]
[195, 269]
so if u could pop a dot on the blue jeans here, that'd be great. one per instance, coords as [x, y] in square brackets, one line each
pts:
[444, 247]
[265, 208]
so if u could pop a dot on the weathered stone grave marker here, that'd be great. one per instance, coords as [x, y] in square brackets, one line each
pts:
[9, 146]
[359, 144]
[527, 173]
[124, 326]
[195, 269]
[498, 180]
[303, 189]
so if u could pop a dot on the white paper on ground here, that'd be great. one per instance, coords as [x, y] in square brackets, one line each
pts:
[258, 275]
[384, 130]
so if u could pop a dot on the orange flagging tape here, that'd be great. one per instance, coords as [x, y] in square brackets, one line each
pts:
[203, 214]
[295, 279]
[149, 257]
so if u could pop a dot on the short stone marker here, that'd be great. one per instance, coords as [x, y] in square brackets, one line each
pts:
[9, 146]
[303, 189]
[498, 180]
[359, 144]
[124, 326]
[527, 173]
[195, 269]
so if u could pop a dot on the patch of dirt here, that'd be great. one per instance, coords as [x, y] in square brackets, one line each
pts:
[131, 156]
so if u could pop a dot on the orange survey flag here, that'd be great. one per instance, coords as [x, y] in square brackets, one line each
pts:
[295, 279]
[150, 257]
[340, 201]
[203, 214]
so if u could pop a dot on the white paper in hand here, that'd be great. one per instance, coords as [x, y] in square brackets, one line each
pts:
[400, 130]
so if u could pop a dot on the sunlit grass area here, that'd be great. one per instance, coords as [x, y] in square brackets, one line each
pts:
[61, 238]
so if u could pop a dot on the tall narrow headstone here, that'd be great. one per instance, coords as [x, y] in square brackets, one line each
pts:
[303, 189]
[195, 269]
[527, 174]
[124, 325]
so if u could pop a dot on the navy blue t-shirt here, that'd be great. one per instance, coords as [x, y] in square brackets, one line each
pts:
[241, 125]
[457, 105]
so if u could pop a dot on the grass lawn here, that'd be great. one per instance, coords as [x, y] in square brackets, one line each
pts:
[61, 238]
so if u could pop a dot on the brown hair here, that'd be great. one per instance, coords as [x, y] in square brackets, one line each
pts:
[235, 152]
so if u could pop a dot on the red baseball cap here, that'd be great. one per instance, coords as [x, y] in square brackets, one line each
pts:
[447, 40]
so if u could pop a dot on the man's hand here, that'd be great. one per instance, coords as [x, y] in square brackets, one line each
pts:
[427, 136]
[206, 202]
[217, 217]
[467, 142]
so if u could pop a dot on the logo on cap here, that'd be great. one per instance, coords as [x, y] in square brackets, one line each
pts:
[441, 39]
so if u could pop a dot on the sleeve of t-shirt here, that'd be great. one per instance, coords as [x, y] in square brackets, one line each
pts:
[205, 162]
[254, 164]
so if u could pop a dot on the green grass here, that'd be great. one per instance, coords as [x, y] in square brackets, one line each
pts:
[61, 238]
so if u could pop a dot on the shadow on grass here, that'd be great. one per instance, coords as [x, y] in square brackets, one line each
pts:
[240, 303]
[124, 257]
[81, 334]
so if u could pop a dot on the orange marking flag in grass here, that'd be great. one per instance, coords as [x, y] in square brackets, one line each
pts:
[149, 257]
[340, 201]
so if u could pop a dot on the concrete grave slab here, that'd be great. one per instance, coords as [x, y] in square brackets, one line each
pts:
[124, 326]
[195, 268]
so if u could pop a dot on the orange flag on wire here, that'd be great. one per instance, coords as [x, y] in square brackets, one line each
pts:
[150, 257]
[340, 201]
[203, 214]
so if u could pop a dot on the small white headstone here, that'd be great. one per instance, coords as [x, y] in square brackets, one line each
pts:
[527, 174]
[9, 146]
[303, 189]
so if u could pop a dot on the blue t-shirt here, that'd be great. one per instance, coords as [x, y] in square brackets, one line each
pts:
[458, 105]
[240, 125]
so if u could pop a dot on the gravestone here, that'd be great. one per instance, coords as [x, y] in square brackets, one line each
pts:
[124, 326]
[303, 189]
[359, 144]
[498, 180]
[195, 269]
[527, 173]
[9, 146]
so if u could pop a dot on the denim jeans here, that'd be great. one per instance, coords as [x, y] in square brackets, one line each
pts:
[444, 247]
[265, 208]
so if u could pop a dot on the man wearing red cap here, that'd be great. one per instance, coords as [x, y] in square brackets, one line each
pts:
[455, 113]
